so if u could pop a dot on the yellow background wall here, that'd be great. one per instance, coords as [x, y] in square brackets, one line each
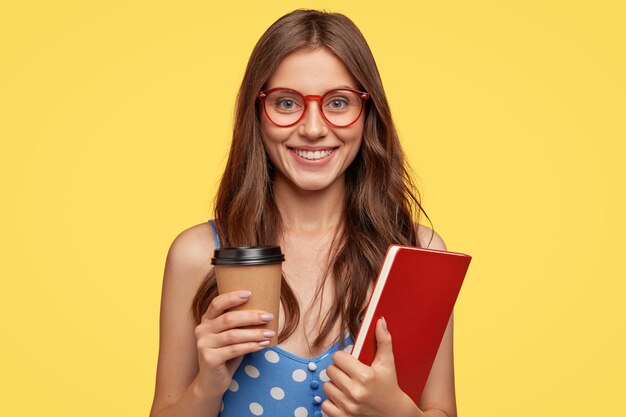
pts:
[114, 127]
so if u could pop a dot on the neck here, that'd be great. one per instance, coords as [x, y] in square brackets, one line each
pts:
[310, 212]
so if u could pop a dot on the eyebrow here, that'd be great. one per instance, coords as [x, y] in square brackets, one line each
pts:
[334, 88]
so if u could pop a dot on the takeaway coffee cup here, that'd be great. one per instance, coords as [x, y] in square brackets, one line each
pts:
[254, 268]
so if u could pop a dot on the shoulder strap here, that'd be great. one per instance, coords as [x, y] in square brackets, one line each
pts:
[215, 236]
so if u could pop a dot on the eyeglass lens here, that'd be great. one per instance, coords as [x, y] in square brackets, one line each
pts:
[341, 107]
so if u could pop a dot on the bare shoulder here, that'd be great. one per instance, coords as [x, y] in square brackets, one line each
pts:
[188, 261]
[429, 238]
[194, 245]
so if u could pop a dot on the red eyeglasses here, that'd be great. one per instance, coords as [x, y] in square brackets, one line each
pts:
[285, 107]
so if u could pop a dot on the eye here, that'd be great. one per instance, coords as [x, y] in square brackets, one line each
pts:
[286, 104]
[337, 103]
[341, 101]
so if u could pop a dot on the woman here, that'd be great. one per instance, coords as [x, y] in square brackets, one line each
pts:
[316, 167]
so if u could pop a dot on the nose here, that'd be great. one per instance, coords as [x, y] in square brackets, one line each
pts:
[313, 125]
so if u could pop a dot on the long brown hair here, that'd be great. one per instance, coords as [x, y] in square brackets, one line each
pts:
[382, 203]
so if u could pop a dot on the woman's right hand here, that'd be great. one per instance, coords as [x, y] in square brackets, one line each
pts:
[222, 344]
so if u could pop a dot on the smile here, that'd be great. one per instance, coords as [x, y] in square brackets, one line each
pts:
[313, 155]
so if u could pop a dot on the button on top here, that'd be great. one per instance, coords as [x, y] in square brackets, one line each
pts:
[312, 366]
[315, 384]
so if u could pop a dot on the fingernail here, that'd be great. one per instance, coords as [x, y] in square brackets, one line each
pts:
[245, 294]
[264, 343]
[267, 317]
[384, 324]
[269, 333]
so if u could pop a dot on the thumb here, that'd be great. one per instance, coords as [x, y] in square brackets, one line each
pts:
[384, 351]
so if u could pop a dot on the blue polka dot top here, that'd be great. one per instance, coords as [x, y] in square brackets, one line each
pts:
[276, 383]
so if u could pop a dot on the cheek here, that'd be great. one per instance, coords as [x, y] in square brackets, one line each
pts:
[272, 134]
[353, 137]
[354, 142]
[273, 138]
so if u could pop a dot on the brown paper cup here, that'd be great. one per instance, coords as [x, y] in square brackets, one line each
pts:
[256, 269]
[264, 283]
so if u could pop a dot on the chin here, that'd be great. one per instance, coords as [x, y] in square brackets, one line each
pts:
[312, 184]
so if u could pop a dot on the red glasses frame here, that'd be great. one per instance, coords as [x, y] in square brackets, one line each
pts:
[320, 99]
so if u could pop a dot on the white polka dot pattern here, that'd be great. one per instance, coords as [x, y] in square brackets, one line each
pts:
[256, 409]
[251, 371]
[348, 348]
[301, 412]
[272, 356]
[324, 376]
[277, 393]
[234, 386]
[298, 375]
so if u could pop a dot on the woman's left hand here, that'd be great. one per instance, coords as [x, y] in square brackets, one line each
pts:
[356, 389]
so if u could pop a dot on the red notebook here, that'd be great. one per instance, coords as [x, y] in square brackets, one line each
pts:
[415, 291]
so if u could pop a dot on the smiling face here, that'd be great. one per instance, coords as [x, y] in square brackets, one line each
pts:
[311, 155]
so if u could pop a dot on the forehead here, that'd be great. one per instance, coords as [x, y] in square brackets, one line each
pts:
[312, 72]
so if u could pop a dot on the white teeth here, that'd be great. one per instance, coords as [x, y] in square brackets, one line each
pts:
[313, 155]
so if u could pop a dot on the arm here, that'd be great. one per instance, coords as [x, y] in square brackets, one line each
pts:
[193, 403]
[438, 398]
[178, 391]
[197, 362]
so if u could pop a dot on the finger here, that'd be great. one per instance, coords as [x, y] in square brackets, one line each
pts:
[331, 409]
[226, 353]
[225, 301]
[384, 349]
[339, 378]
[354, 368]
[338, 398]
[240, 318]
[235, 336]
